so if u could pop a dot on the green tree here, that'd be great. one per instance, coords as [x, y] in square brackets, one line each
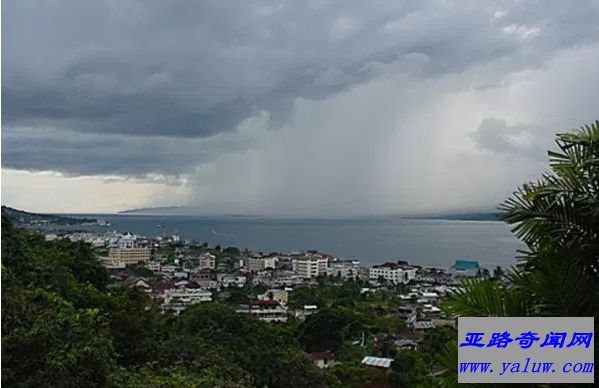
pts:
[409, 369]
[322, 331]
[557, 217]
[47, 342]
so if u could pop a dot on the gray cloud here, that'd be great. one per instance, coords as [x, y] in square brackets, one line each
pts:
[194, 69]
[74, 153]
[298, 106]
[531, 141]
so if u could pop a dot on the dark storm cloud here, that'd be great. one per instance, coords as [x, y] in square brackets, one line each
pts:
[74, 153]
[530, 141]
[186, 69]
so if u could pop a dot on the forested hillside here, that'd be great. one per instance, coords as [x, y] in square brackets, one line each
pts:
[62, 327]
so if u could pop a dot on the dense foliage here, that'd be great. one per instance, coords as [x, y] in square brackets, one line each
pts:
[557, 218]
[63, 327]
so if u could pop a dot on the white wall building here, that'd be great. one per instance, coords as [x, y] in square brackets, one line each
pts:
[266, 310]
[125, 242]
[256, 264]
[207, 261]
[178, 300]
[310, 266]
[227, 280]
[345, 269]
[394, 273]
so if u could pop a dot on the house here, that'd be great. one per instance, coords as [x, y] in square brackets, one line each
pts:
[323, 359]
[266, 310]
[178, 299]
[231, 280]
[422, 325]
[406, 343]
[159, 289]
[379, 362]
[305, 311]
[280, 296]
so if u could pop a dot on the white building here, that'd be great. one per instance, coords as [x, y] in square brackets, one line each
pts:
[305, 311]
[392, 272]
[266, 310]
[127, 241]
[207, 261]
[179, 299]
[310, 266]
[256, 264]
[228, 280]
[153, 266]
[346, 269]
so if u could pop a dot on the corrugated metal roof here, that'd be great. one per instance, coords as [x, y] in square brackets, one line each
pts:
[377, 361]
[424, 325]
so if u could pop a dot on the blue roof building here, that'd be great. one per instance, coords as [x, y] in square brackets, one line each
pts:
[465, 265]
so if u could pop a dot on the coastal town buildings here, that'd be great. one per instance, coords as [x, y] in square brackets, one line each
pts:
[392, 272]
[231, 280]
[280, 296]
[129, 256]
[310, 265]
[466, 267]
[345, 269]
[256, 264]
[207, 261]
[178, 299]
[266, 310]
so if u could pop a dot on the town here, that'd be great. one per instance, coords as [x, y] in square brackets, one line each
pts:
[280, 287]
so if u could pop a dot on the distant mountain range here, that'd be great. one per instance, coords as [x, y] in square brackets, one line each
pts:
[22, 217]
[165, 211]
[475, 216]
[194, 211]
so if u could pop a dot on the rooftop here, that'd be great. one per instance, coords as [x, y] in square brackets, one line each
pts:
[463, 265]
[323, 355]
[377, 361]
[270, 303]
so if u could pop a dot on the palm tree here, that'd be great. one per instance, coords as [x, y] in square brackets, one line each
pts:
[557, 217]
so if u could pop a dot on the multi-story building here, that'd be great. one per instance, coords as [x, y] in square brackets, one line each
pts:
[310, 265]
[129, 256]
[178, 299]
[256, 264]
[231, 280]
[393, 272]
[207, 261]
[266, 310]
[127, 241]
[346, 269]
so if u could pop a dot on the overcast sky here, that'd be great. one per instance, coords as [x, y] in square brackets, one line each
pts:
[289, 108]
